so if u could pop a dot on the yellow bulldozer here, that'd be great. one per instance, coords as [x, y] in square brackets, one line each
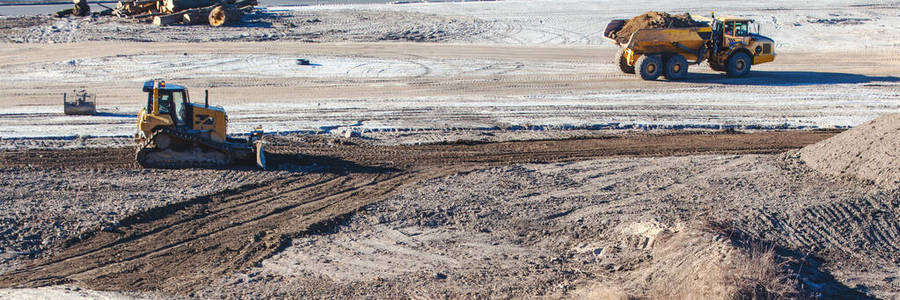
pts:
[727, 44]
[175, 133]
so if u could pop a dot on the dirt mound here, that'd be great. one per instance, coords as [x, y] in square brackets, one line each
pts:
[651, 20]
[870, 152]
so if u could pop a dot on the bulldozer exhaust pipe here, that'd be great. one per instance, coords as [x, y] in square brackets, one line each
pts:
[206, 99]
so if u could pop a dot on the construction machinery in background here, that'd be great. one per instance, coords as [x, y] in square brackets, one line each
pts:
[81, 103]
[173, 132]
[727, 44]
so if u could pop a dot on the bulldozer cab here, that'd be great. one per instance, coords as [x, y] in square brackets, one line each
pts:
[171, 100]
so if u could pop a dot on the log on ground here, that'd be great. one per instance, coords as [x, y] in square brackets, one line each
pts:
[222, 15]
[179, 5]
[169, 19]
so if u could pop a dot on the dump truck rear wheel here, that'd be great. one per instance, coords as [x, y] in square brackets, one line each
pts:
[650, 67]
[739, 64]
[676, 67]
[622, 62]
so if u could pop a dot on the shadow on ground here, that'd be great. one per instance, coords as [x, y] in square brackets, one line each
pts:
[812, 278]
[117, 115]
[790, 78]
[319, 164]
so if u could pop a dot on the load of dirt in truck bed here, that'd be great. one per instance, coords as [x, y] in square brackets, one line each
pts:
[869, 152]
[652, 20]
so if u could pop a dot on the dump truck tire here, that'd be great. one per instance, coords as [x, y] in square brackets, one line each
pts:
[649, 67]
[622, 62]
[676, 67]
[738, 65]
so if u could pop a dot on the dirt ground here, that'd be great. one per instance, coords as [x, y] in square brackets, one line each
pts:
[330, 179]
[457, 150]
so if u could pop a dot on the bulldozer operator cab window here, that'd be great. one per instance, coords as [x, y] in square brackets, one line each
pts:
[171, 103]
[178, 100]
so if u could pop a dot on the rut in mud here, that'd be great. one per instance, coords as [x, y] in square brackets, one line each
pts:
[180, 247]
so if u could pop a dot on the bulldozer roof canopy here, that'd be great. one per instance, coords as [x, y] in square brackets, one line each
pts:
[148, 86]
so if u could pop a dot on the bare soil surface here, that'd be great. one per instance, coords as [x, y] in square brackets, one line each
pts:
[457, 150]
[869, 152]
[178, 247]
[625, 226]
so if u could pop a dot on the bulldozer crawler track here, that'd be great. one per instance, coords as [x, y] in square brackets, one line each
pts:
[143, 151]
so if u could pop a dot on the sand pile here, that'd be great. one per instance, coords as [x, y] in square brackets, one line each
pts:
[650, 20]
[870, 151]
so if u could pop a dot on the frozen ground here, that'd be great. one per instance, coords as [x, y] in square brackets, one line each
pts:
[434, 87]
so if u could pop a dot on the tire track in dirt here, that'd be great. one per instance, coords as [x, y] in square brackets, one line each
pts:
[180, 247]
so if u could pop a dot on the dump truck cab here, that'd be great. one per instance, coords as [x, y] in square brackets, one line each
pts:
[169, 105]
[738, 35]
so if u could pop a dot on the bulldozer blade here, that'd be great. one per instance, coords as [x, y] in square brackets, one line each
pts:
[260, 155]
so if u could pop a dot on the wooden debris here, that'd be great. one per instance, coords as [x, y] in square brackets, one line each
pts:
[81, 9]
[169, 19]
[171, 6]
[225, 14]
[191, 12]
[64, 12]
[197, 17]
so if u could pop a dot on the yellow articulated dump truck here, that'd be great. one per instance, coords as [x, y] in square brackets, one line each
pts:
[727, 44]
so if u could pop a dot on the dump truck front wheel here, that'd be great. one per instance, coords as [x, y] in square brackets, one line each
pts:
[622, 62]
[649, 66]
[738, 64]
[676, 67]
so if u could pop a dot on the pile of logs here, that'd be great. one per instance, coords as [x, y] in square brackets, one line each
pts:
[166, 12]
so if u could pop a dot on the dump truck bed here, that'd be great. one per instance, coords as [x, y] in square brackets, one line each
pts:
[686, 41]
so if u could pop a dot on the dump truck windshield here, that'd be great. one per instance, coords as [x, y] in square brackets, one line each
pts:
[741, 28]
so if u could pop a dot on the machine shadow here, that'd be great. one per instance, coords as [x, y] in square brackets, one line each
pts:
[320, 164]
[789, 78]
[117, 115]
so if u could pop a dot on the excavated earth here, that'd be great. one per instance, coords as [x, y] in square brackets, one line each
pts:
[652, 20]
[185, 243]
[869, 152]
